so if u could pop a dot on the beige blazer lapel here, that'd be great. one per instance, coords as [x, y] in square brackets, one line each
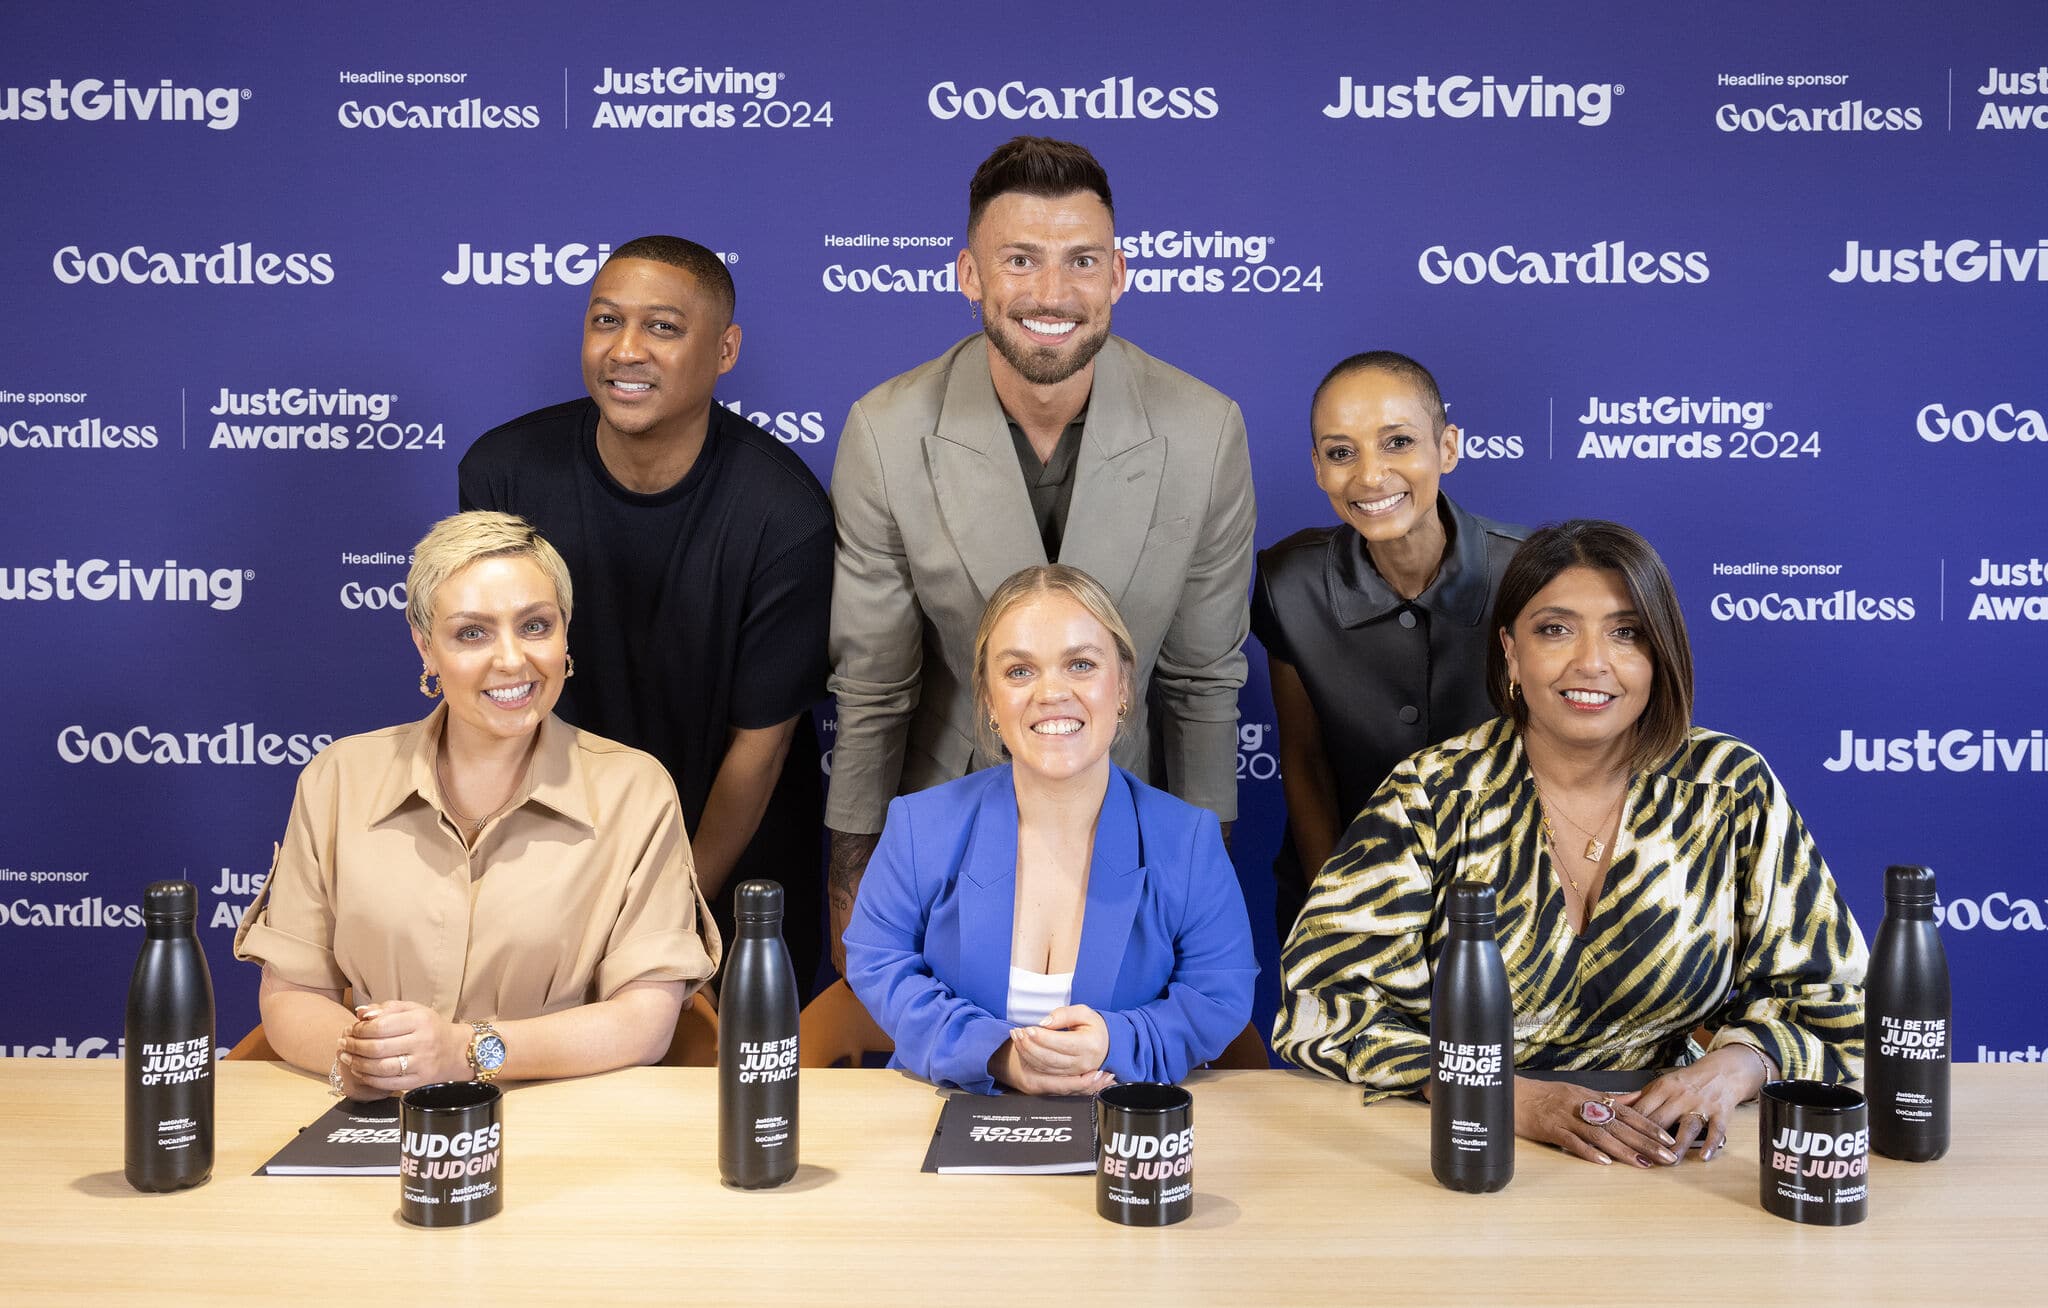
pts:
[1116, 478]
[976, 482]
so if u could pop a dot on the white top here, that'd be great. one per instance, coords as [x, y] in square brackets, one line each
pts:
[1033, 995]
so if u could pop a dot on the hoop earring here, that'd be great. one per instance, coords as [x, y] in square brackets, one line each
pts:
[433, 691]
[570, 659]
[994, 727]
[1514, 690]
[1123, 707]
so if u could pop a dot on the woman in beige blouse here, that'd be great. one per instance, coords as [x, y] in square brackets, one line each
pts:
[504, 894]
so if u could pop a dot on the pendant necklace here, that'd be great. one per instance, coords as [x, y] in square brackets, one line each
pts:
[1595, 847]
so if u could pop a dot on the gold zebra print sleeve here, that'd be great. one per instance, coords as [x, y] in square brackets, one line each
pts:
[1355, 975]
[1799, 974]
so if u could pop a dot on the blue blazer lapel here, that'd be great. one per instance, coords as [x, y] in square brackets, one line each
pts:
[1116, 878]
[988, 898]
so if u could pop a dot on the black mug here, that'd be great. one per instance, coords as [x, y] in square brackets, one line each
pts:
[1815, 1165]
[451, 1160]
[1145, 1154]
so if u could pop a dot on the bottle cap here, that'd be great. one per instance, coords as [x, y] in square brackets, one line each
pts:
[757, 901]
[1471, 901]
[1905, 884]
[170, 901]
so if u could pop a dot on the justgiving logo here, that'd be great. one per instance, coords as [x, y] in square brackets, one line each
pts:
[1589, 103]
[97, 580]
[92, 100]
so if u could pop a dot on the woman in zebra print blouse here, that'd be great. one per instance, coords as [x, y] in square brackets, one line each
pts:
[1652, 878]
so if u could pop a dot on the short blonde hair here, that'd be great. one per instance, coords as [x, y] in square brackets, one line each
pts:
[454, 543]
[1029, 583]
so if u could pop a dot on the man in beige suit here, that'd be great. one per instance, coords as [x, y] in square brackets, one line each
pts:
[1042, 439]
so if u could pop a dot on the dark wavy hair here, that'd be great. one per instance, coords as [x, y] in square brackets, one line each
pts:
[1036, 165]
[1611, 547]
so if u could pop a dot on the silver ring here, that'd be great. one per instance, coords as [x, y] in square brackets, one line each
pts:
[402, 1059]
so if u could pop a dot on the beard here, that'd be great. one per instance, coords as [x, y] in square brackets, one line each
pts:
[1044, 365]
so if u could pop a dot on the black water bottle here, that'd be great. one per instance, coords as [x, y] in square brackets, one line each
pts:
[1906, 1020]
[1472, 1039]
[169, 1057]
[757, 1079]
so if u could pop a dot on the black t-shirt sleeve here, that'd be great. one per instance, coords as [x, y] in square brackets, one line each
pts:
[781, 660]
[1265, 621]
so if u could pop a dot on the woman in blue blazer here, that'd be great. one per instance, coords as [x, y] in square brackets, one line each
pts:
[1053, 924]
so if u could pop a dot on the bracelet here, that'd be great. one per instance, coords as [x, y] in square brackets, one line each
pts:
[334, 1078]
[1770, 1073]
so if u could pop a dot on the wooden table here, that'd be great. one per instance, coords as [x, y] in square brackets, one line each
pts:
[1302, 1196]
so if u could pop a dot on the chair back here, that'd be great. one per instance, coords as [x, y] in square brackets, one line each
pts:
[255, 1047]
[835, 1030]
[696, 1039]
[1246, 1053]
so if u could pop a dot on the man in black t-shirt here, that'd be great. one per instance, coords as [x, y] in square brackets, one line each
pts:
[701, 554]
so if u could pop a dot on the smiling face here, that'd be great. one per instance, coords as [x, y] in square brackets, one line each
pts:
[1579, 650]
[654, 346]
[1054, 686]
[1045, 272]
[1378, 454]
[500, 646]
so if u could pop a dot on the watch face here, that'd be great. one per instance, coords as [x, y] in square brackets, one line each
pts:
[490, 1053]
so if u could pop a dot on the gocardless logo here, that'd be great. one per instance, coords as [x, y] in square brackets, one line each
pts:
[2001, 423]
[790, 426]
[1113, 98]
[885, 278]
[233, 744]
[91, 911]
[233, 264]
[1997, 911]
[1604, 263]
[1847, 115]
[467, 114]
[1836, 606]
[85, 434]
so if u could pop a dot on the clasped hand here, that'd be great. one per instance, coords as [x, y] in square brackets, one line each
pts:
[397, 1045]
[1060, 1056]
[1655, 1125]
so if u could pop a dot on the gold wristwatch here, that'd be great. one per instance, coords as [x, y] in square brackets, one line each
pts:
[486, 1051]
